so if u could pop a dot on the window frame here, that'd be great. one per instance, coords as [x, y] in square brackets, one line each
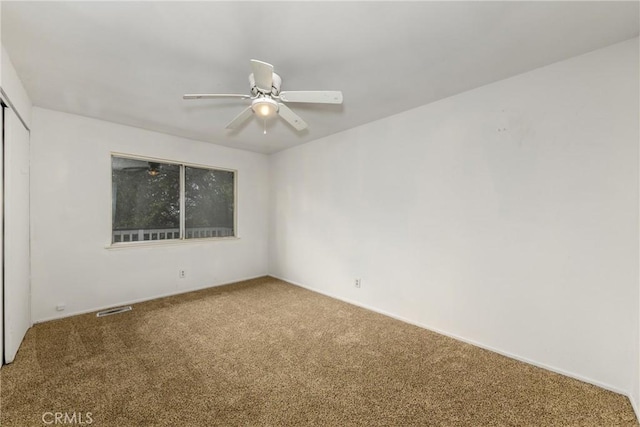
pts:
[182, 239]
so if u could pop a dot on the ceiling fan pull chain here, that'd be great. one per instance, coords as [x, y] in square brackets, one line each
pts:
[265, 126]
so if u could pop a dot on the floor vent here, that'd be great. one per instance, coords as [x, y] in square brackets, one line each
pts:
[113, 311]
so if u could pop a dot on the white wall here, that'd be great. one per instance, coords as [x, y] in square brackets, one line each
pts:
[12, 86]
[506, 216]
[71, 218]
[1, 40]
[1, 214]
[634, 395]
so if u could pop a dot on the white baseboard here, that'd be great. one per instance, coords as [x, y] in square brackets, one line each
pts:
[139, 300]
[635, 407]
[468, 341]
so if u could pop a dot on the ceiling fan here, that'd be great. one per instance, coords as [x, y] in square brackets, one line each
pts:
[267, 100]
[152, 168]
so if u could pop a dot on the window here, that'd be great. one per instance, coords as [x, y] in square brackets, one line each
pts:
[208, 203]
[155, 200]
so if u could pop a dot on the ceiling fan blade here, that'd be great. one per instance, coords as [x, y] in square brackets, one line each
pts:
[263, 74]
[240, 118]
[313, 96]
[290, 117]
[214, 95]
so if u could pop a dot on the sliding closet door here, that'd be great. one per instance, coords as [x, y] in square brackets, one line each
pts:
[17, 288]
[2, 108]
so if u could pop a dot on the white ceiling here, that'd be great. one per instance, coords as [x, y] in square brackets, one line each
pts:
[130, 62]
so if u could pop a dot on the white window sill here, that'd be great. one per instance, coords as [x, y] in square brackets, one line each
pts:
[170, 242]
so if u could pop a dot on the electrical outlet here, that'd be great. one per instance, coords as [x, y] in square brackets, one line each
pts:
[358, 283]
[60, 307]
[182, 274]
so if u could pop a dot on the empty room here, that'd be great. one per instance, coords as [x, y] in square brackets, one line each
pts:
[323, 213]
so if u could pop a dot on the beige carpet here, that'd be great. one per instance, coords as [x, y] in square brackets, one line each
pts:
[264, 352]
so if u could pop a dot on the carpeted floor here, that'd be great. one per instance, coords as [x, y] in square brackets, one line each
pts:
[264, 352]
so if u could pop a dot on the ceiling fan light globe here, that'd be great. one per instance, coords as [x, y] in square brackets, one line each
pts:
[264, 107]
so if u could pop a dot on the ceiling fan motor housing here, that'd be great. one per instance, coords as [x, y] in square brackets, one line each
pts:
[275, 86]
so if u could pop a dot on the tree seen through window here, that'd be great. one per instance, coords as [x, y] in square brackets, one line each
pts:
[146, 201]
